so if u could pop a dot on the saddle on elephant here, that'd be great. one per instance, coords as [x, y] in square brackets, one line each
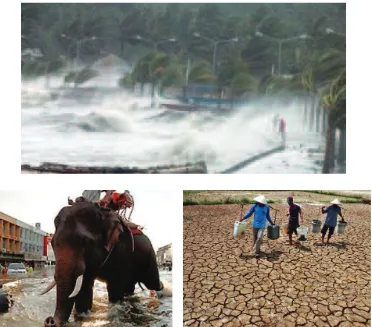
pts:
[118, 203]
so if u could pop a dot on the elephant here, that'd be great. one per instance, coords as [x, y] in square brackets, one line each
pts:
[91, 242]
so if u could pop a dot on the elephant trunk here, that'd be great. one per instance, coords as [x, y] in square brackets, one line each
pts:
[69, 272]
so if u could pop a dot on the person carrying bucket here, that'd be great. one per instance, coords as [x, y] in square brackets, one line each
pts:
[330, 223]
[294, 212]
[261, 213]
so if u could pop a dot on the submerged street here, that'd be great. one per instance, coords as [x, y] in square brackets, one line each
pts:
[30, 309]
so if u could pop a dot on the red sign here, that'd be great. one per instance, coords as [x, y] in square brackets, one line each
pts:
[47, 240]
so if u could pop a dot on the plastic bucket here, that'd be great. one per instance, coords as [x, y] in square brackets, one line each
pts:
[341, 225]
[302, 230]
[273, 232]
[315, 226]
[285, 229]
[239, 229]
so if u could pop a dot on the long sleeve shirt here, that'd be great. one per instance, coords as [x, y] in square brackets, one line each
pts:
[261, 214]
[92, 196]
[332, 213]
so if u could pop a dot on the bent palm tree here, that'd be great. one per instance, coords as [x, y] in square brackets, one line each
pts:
[334, 100]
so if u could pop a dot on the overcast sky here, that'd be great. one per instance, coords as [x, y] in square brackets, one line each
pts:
[153, 209]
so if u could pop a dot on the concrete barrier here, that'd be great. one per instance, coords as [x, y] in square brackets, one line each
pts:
[254, 158]
[55, 168]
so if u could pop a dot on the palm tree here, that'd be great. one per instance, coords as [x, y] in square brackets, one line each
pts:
[322, 70]
[149, 69]
[334, 100]
[201, 72]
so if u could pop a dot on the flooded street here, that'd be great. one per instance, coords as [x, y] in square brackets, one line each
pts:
[30, 309]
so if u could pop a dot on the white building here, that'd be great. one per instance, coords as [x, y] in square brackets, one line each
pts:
[32, 240]
[164, 254]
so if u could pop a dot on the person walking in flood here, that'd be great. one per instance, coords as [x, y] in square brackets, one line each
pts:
[261, 213]
[294, 213]
[330, 223]
[282, 128]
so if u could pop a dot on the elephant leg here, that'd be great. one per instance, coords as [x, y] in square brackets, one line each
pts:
[84, 300]
[115, 291]
[146, 268]
[150, 276]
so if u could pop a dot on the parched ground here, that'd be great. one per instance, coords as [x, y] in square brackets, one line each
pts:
[301, 285]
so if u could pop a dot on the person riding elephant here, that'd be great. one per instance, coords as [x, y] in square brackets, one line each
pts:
[112, 199]
[87, 195]
[91, 242]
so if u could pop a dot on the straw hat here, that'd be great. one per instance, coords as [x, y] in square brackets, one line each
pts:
[335, 201]
[260, 199]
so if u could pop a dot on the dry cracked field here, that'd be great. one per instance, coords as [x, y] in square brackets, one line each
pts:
[301, 285]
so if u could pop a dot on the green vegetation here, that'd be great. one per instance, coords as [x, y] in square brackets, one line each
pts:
[131, 30]
[247, 201]
[189, 192]
[341, 195]
[226, 201]
[229, 198]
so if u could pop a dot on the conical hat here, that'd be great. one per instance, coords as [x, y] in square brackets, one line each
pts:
[260, 199]
[335, 201]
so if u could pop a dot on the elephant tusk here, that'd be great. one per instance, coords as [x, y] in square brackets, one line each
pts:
[79, 283]
[49, 287]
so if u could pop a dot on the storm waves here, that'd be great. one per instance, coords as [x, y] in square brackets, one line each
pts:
[111, 127]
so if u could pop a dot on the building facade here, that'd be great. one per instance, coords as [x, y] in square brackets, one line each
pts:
[10, 234]
[32, 241]
[164, 255]
[20, 241]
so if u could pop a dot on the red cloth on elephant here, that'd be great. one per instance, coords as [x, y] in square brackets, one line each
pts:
[136, 231]
[120, 201]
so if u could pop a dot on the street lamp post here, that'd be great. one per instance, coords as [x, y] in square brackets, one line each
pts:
[78, 44]
[280, 42]
[155, 44]
[215, 45]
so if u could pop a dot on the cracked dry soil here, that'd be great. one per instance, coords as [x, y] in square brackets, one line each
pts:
[300, 285]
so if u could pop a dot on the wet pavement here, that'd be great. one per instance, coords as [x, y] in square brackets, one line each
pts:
[309, 284]
[30, 309]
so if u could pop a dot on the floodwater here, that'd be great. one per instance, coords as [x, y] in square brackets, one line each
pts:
[102, 125]
[30, 309]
